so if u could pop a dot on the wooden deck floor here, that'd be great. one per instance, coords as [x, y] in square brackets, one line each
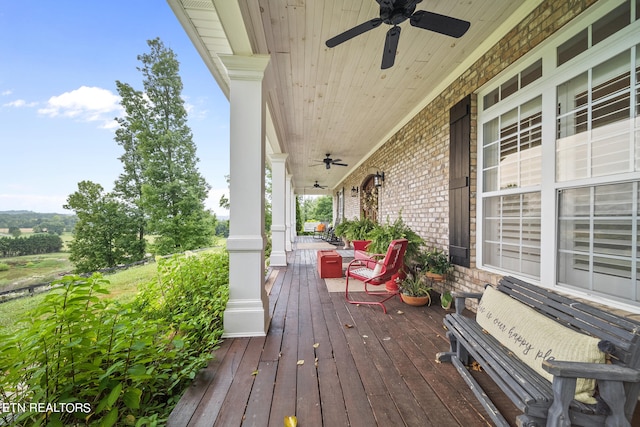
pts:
[330, 363]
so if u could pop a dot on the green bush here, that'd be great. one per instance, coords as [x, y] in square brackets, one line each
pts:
[4, 267]
[114, 364]
[190, 294]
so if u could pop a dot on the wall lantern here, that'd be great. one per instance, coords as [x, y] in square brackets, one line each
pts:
[354, 191]
[378, 179]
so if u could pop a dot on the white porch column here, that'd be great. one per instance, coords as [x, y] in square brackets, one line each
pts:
[289, 236]
[247, 312]
[279, 210]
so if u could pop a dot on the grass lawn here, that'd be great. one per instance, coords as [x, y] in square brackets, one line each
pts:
[33, 269]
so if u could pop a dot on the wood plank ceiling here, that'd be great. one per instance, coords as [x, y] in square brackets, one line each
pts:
[338, 100]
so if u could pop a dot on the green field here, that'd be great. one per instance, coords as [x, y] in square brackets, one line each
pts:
[33, 269]
[123, 287]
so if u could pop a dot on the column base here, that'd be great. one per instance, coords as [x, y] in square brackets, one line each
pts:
[278, 259]
[246, 318]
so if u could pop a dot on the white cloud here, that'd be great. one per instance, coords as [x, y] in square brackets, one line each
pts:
[87, 104]
[19, 103]
[6, 93]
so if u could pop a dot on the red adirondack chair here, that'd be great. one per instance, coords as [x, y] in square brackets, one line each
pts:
[376, 270]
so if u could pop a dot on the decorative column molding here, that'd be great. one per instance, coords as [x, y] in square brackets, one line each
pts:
[247, 312]
[278, 210]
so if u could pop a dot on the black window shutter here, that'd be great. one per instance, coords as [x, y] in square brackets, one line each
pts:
[459, 185]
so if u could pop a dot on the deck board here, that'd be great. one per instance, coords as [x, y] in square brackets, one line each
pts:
[366, 368]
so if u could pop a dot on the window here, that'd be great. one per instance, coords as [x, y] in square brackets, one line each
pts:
[512, 233]
[516, 82]
[598, 239]
[601, 29]
[511, 144]
[593, 122]
[559, 160]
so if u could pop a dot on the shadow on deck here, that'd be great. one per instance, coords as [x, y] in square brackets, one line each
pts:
[330, 363]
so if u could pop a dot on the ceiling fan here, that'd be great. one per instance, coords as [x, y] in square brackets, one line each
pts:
[316, 185]
[328, 161]
[393, 12]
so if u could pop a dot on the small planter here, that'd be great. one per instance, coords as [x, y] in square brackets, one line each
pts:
[445, 300]
[416, 301]
[436, 277]
[360, 245]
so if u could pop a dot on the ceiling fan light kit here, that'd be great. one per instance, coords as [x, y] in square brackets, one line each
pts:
[394, 12]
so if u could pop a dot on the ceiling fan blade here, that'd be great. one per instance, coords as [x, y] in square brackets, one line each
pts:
[335, 160]
[340, 164]
[355, 31]
[442, 24]
[390, 47]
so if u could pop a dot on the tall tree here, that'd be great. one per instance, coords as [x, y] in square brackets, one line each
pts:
[133, 128]
[105, 234]
[160, 175]
[324, 208]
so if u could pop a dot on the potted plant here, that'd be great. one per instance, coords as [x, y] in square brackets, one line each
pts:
[437, 265]
[446, 299]
[382, 235]
[342, 230]
[414, 291]
[358, 233]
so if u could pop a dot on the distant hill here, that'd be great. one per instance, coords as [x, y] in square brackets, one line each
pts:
[30, 219]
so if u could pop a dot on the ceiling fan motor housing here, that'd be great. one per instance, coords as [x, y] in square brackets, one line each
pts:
[393, 13]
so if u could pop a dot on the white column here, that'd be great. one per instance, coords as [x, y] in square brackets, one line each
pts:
[289, 236]
[247, 312]
[278, 210]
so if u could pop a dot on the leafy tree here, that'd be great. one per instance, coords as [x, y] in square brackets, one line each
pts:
[34, 244]
[15, 231]
[222, 228]
[105, 234]
[224, 200]
[133, 128]
[161, 181]
[299, 221]
[54, 225]
[324, 208]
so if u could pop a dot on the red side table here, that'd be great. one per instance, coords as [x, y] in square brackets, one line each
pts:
[329, 264]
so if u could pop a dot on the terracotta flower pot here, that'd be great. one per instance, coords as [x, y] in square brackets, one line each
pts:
[416, 301]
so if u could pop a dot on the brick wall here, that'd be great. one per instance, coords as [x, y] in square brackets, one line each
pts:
[415, 159]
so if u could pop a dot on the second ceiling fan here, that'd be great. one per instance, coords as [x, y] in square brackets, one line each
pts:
[328, 161]
[393, 12]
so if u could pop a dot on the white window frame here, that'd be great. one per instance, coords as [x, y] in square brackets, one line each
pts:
[546, 87]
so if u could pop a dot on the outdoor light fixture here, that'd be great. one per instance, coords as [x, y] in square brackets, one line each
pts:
[354, 191]
[378, 179]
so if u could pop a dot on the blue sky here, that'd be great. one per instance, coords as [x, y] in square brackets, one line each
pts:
[58, 65]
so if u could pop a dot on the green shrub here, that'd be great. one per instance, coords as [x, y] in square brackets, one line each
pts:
[190, 294]
[4, 267]
[119, 364]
